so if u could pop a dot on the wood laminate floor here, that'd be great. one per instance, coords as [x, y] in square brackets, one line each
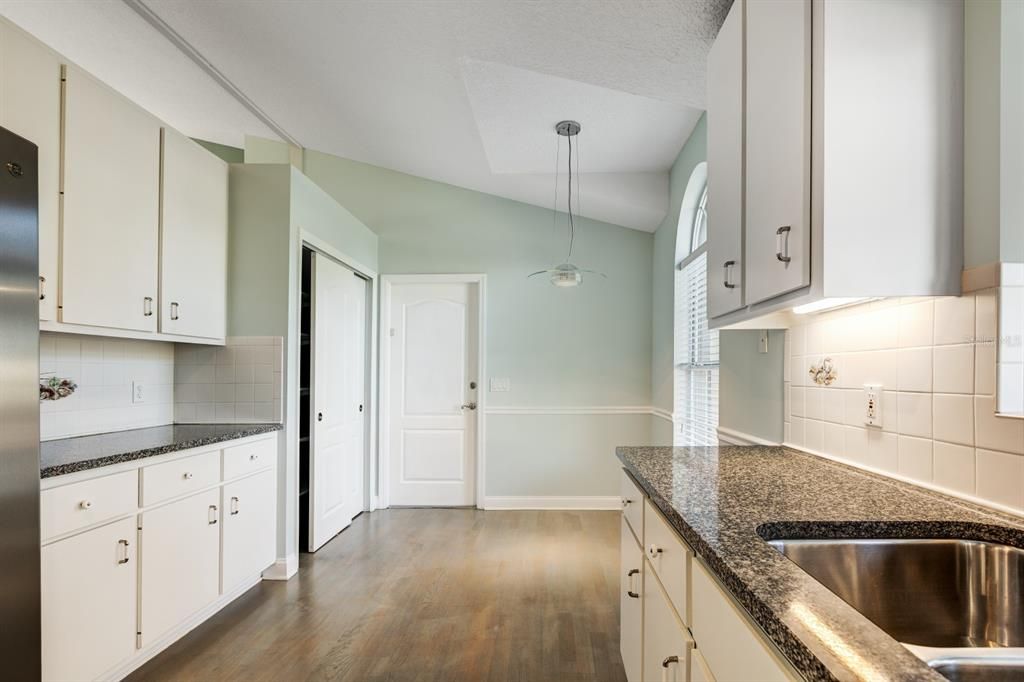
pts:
[426, 594]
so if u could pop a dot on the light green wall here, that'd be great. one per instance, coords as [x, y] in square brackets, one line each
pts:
[226, 153]
[589, 346]
[663, 279]
[750, 383]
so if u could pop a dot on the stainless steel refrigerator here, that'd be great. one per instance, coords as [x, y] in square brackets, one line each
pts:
[20, 657]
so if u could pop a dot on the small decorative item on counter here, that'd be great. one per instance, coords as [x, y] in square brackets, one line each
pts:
[823, 374]
[55, 388]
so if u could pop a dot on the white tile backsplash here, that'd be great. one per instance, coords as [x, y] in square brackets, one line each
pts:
[936, 359]
[104, 369]
[239, 382]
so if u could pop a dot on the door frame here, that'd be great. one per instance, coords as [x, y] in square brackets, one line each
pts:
[384, 452]
[370, 474]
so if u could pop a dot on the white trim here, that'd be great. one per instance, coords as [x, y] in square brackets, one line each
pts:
[283, 569]
[904, 479]
[383, 453]
[62, 328]
[663, 414]
[315, 242]
[577, 502]
[573, 409]
[149, 651]
[730, 437]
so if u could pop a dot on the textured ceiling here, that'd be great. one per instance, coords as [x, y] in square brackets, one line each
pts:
[460, 91]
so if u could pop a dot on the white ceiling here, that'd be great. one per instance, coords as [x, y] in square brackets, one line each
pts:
[460, 91]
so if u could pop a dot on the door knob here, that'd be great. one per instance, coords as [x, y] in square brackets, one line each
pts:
[469, 406]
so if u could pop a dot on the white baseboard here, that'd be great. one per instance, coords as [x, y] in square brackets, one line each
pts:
[730, 437]
[151, 650]
[283, 569]
[580, 502]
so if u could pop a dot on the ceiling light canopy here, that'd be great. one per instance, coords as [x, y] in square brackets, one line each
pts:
[566, 274]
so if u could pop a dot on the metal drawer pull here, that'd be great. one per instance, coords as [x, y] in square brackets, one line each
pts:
[234, 506]
[664, 666]
[653, 551]
[782, 243]
[728, 271]
[188, 476]
[147, 306]
[630, 590]
[253, 458]
[85, 504]
[123, 544]
[174, 310]
[211, 515]
[42, 287]
[626, 502]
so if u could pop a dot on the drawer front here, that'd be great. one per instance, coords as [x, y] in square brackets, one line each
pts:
[667, 643]
[240, 460]
[632, 505]
[164, 481]
[731, 646]
[670, 558]
[78, 505]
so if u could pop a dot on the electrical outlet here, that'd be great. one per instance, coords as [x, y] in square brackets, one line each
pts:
[499, 385]
[873, 404]
[138, 392]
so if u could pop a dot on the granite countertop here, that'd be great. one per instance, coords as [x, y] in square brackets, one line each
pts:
[727, 501]
[68, 455]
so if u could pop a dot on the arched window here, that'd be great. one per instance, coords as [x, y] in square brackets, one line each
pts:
[696, 346]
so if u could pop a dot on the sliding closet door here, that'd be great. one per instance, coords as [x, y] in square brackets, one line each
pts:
[338, 384]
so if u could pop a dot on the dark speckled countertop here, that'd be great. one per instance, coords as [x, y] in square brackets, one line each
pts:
[68, 455]
[727, 501]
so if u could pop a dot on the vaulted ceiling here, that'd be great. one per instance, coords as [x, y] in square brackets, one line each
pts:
[461, 91]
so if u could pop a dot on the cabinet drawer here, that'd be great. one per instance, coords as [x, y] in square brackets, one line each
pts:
[78, 505]
[731, 646]
[245, 459]
[632, 505]
[171, 479]
[670, 558]
[667, 643]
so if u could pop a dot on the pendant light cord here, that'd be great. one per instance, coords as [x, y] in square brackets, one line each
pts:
[572, 225]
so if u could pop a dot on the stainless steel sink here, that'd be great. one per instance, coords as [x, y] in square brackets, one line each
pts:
[932, 593]
[968, 669]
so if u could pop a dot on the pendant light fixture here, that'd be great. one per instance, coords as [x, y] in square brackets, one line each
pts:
[566, 274]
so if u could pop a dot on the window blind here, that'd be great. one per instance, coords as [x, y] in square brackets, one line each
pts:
[696, 358]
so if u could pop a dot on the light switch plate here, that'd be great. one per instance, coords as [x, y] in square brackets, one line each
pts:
[499, 385]
[138, 392]
[873, 404]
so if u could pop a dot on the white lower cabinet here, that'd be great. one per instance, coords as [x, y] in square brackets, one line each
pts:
[249, 511]
[180, 562]
[667, 642]
[631, 584]
[89, 592]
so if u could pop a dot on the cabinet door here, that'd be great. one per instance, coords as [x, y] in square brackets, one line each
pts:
[180, 562]
[725, 166]
[89, 602]
[111, 208]
[631, 612]
[667, 643]
[250, 528]
[30, 85]
[193, 239]
[778, 147]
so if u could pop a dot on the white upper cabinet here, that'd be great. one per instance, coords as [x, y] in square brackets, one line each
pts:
[843, 167]
[725, 166]
[778, 147]
[111, 208]
[30, 85]
[193, 239]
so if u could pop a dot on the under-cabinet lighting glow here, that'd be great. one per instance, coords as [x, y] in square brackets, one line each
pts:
[828, 304]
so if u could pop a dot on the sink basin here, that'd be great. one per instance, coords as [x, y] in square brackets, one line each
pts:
[932, 593]
[979, 669]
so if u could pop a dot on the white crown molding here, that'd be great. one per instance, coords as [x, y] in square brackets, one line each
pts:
[731, 437]
[577, 502]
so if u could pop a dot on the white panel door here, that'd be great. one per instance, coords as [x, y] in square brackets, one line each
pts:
[778, 145]
[339, 390]
[180, 561]
[193, 240]
[89, 602]
[725, 166]
[249, 528]
[110, 231]
[30, 107]
[432, 423]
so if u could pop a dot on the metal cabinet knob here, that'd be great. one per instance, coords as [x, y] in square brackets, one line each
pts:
[468, 406]
[319, 416]
[653, 551]
[188, 476]
[253, 458]
[85, 504]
